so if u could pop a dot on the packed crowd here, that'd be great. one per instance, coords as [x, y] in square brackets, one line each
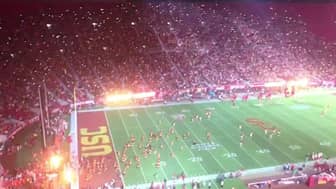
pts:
[158, 46]
[161, 46]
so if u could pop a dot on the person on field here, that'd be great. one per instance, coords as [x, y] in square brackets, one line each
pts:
[222, 183]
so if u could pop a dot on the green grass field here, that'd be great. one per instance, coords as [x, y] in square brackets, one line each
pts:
[302, 130]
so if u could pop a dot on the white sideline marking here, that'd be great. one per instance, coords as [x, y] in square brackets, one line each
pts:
[150, 106]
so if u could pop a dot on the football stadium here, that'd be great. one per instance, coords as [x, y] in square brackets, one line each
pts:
[209, 139]
[167, 94]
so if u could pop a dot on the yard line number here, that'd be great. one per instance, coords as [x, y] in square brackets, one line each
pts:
[205, 146]
[294, 147]
[263, 151]
[325, 143]
[196, 159]
[230, 155]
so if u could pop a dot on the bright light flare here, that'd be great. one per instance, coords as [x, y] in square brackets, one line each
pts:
[300, 83]
[118, 98]
[56, 161]
[143, 95]
[303, 82]
[275, 84]
[128, 96]
[68, 175]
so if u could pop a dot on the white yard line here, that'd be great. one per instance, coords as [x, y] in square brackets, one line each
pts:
[123, 123]
[143, 132]
[187, 147]
[202, 126]
[211, 153]
[275, 146]
[242, 148]
[117, 158]
[196, 136]
[310, 128]
[183, 142]
[294, 137]
[170, 149]
[213, 157]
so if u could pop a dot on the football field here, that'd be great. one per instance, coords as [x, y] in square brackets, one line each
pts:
[209, 138]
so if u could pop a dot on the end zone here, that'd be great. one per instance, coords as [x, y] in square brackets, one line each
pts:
[93, 145]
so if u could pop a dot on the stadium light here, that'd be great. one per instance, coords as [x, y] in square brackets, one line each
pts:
[302, 83]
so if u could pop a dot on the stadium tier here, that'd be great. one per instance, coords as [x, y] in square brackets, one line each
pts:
[160, 94]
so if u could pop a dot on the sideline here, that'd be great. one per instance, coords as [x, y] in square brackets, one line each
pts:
[245, 175]
[318, 91]
[151, 105]
[74, 149]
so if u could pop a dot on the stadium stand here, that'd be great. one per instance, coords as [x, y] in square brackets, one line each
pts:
[165, 47]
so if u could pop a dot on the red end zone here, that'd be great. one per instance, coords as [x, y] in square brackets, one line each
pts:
[98, 161]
